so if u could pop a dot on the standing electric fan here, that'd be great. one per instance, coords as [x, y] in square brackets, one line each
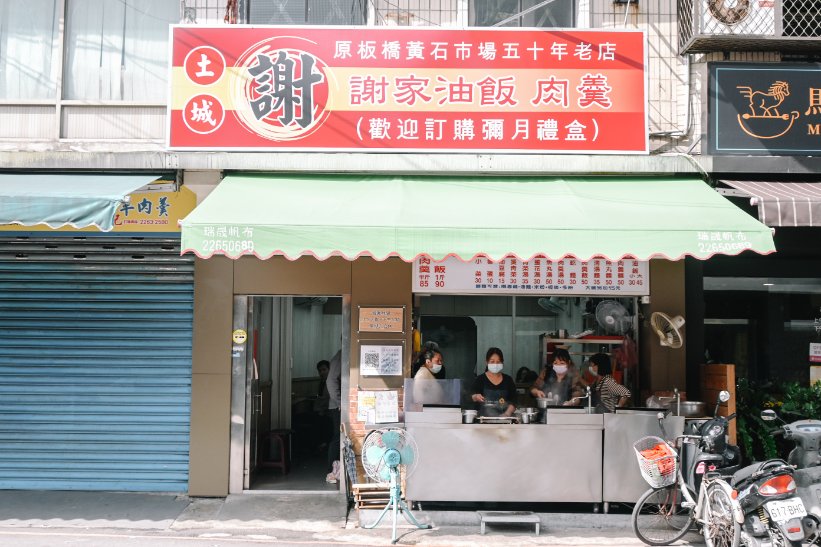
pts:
[383, 451]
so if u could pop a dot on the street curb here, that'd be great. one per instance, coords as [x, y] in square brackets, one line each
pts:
[562, 521]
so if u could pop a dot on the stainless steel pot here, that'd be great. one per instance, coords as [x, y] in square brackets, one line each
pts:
[528, 415]
[492, 409]
[691, 409]
[542, 402]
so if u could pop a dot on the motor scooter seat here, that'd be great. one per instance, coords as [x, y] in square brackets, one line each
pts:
[727, 472]
[744, 474]
[806, 478]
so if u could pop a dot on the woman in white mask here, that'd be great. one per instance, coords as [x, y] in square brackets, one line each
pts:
[561, 379]
[494, 391]
[431, 366]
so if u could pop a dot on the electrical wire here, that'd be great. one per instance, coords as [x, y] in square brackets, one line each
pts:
[626, 13]
[131, 6]
[688, 124]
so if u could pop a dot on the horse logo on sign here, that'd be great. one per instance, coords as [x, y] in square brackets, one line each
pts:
[764, 121]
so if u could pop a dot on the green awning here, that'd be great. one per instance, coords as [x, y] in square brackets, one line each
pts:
[60, 200]
[496, 217]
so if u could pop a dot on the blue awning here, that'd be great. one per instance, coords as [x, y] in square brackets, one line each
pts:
[60, 200]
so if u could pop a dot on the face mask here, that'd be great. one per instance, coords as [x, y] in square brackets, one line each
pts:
[495, 367]
[593, 372]
[559, 369]
[435, 369]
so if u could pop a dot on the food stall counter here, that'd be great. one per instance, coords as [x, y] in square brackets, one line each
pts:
[620, 471]
[557, 462]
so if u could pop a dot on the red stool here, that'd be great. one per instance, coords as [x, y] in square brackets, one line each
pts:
[278, 450]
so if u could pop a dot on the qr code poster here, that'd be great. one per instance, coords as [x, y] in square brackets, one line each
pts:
[380, 361]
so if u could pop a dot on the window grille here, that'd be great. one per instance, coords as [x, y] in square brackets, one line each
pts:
[532, 13]
[416, 13]
[802, 18]
[210, 12]
[307, 12]
[748, 25]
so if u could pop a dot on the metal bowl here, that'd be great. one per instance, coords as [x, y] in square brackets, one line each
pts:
[690, 409]
[527, 415]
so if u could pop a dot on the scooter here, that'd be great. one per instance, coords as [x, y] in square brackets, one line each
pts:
[713, 452]
[774, 515]
[806, 458]
[765, 492]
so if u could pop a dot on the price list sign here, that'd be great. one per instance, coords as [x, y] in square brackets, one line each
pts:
[537, 276]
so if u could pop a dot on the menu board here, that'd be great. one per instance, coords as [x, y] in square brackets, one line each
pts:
[536, 276]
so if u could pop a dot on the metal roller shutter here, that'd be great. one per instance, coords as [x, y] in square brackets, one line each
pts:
[95, 364]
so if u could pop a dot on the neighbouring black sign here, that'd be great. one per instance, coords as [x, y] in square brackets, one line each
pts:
[764, 109]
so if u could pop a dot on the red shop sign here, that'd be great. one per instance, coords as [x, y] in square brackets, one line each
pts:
[408, 89]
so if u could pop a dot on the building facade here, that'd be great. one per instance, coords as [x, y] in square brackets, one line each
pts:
[84, 91]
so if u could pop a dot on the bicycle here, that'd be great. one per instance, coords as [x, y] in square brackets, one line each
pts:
[667, 511]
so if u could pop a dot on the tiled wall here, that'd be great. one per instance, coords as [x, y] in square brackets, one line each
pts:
[673, 79]
[357, 430]
[667, 71]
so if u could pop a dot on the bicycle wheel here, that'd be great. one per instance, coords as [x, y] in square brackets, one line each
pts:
[720, 527]
[658, 517]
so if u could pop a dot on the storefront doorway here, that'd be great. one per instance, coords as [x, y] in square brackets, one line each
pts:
[283, 346]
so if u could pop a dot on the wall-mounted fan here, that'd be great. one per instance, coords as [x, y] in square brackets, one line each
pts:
[613, 318]
[668, 329]
[384, 451]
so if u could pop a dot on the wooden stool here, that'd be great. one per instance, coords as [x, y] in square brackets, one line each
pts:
[282, 439]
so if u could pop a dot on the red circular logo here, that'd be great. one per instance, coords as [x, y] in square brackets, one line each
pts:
[281, 89]
[203, 114]
[204, 65]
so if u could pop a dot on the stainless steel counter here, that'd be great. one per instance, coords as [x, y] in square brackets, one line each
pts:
[620, 470]
[557, 461]
[574, 457]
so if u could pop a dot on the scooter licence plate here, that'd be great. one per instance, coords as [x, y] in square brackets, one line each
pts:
[783, 510]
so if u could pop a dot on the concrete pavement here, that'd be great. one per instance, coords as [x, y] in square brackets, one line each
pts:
[93, 518]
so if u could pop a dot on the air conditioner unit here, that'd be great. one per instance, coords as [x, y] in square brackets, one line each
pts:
[737, 17]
